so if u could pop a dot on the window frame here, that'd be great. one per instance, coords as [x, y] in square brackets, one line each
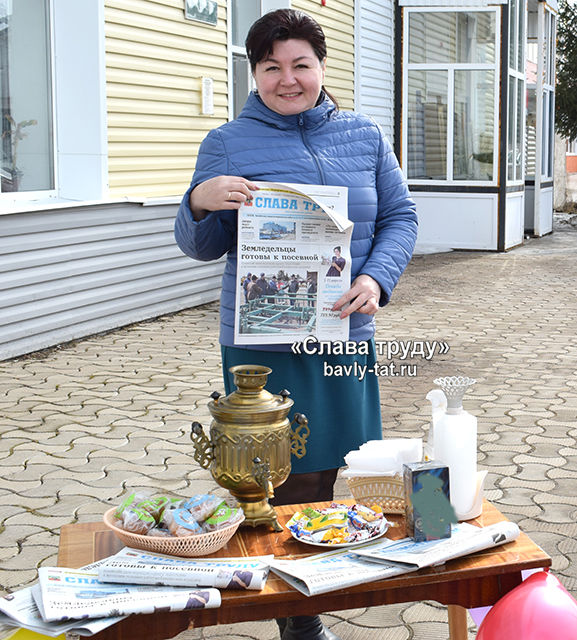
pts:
[541, 47]
[18, 197]
[548, 131]
[79, 109]
[516, 76]
[450, 68]
[240, 52]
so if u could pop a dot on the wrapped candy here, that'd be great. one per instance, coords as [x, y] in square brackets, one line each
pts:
[338, 524]
[328, 519]
[181, 522]
[202, 506]
[222, 517]
[131, 499]
[137, 521]
[143, 514]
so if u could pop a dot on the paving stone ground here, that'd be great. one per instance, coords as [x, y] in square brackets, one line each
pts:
[83, 423]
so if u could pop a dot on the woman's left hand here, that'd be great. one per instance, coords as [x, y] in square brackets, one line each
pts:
[363, 296]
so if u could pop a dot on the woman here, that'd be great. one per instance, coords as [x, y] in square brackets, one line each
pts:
[337, 264]
[291, 130]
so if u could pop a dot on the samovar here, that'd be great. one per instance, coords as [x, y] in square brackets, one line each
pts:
[251, 441]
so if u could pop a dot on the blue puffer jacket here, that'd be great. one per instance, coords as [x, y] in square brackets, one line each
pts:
[320, 146]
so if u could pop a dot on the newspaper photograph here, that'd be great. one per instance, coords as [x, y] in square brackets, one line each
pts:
[19, 610]
[141, 567]
[332, 570]
[75, 593]
[294, 263]
[465, 539]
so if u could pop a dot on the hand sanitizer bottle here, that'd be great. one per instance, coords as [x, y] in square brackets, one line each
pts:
[455, 445]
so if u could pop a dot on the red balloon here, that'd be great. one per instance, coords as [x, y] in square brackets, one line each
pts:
[540, 608]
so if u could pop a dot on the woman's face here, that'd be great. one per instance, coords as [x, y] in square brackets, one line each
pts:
[289, 80]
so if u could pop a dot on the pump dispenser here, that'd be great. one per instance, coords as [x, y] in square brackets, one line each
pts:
[438, 407]
[455, 444]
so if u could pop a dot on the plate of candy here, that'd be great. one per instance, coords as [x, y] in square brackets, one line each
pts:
[337, 526]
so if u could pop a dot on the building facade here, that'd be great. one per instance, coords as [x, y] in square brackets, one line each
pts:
[99, 140]
[476, 119]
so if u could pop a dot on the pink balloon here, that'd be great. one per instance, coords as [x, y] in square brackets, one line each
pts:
[540, 608]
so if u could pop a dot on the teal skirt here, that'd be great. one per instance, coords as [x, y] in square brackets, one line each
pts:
[343, 411]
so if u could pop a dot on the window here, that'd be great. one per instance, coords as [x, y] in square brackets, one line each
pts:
[548, 95]
[516, 90]
[52, 102]
[26, 97]
[541, 51]
[450, 83]
[531, 123]
[242, 14]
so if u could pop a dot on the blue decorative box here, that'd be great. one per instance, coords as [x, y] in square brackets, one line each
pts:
[428, 508]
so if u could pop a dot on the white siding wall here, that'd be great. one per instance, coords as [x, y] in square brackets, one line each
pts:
[68, 273]
[374, 65]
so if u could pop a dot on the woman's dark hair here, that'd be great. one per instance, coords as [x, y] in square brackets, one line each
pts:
[284, 24]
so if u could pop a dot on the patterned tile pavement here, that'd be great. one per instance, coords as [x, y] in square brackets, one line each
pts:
[83, 423]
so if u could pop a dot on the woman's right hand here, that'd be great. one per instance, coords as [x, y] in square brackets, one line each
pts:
[222, 192]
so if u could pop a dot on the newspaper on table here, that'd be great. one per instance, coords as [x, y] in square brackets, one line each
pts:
[332, 570]
[465, 539]
[295, 239]
[348, 567]
[142, 567]
[19, 609]
[75, 593]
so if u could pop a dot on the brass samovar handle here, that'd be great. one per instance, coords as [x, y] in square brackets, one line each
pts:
[203, 449]
[300, 435]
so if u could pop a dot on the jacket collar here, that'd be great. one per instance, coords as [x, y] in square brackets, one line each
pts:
[255, 108]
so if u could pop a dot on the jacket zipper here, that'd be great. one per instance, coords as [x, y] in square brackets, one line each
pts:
[309, 149]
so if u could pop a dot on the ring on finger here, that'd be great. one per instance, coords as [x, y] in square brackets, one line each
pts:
[229, 196]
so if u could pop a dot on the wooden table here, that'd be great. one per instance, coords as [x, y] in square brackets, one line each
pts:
[473, 581]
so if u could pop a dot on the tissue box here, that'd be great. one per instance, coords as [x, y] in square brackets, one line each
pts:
[428, 508]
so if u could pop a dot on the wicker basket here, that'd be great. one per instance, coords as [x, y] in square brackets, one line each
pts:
[192, 546]
[386, 491]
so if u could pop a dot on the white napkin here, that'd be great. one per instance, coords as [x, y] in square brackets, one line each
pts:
[383, 457]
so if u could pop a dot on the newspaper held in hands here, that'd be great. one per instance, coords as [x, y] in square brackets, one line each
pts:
[75, 593]
[294, 263]
[380, 559]
[142, 567]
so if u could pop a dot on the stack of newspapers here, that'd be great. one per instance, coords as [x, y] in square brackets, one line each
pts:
[86, 601]
[348, 567]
